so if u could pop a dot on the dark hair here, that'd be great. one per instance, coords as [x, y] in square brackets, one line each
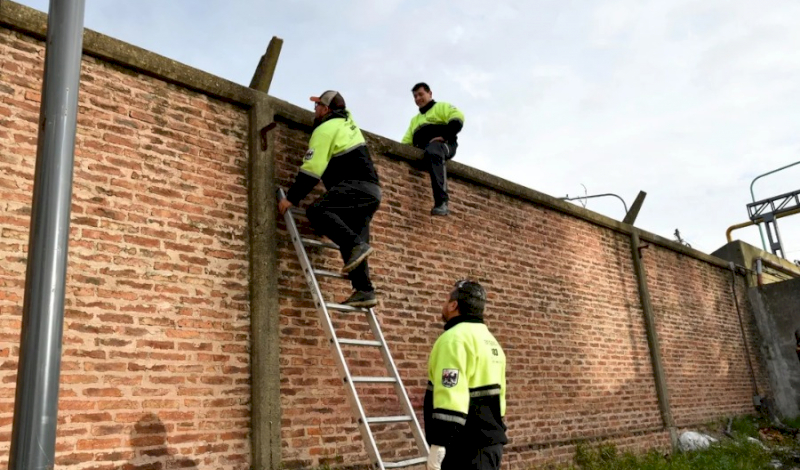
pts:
[471, 298]
[421, 85]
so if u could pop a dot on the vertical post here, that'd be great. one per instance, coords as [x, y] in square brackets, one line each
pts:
[33, 435]
[265, 346]
[262, 78]
[652, 340]
[264, 306]
[776, 245]
[633, 212]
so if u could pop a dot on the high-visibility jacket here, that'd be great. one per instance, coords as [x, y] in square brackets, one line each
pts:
[336, 152]
[434, 120]
[466, 398]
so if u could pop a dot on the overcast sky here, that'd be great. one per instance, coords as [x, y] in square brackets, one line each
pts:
[686, 100]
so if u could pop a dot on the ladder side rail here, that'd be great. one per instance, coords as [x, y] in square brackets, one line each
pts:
[416, 429]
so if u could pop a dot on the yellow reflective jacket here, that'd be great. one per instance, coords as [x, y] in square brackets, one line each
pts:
[434, 120]
[336, 152]
[466, 398]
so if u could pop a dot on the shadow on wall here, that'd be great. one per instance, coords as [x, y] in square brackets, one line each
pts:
[149, 442]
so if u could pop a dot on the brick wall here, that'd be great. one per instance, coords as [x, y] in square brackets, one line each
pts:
[701, 338]
[563, 300]
[155, 365]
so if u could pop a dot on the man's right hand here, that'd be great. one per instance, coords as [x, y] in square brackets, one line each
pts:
[435, 458]
[284, 205]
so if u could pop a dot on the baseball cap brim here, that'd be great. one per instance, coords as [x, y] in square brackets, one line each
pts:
[315, 99]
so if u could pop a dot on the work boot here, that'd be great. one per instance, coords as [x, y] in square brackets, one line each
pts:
[357, 256]
[362, 298]
[441, 209]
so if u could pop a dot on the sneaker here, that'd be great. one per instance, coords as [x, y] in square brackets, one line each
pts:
[357, 256]
[362, 298]
[441, 209]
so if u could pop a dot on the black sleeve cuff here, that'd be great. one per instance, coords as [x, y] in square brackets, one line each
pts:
[444, 434]
[453, 128]
[303, 185]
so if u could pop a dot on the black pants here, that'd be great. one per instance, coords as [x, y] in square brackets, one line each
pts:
[343, 214]
[436, 154]
[486, 458]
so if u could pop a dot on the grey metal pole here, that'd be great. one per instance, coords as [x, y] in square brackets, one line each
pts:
[33, 435]
[567, 198]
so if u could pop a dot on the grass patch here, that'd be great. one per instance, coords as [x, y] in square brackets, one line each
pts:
[745, 426]
[792, 423]
[738, 454]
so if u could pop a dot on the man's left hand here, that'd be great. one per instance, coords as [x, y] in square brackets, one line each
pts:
[284, 205]
[436, 139]
[435, 457]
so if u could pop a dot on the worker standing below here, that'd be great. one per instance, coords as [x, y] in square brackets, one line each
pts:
[338, 155]
[466, 398]
[435, 130]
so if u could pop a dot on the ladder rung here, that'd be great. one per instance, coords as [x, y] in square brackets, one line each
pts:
[311, 242]
[325, 273]
[405, 463]
[298, 211]
[389, 419]
[360, 342]
[345, 308]
[381, 380]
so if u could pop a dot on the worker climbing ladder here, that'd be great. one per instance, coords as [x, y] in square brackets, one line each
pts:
[365, 423]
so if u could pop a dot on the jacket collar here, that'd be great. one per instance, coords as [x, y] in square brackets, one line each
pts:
[427, 107]
[462, 319]
[339, 113]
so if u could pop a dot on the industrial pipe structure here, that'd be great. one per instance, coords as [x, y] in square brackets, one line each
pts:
[753, 196]
[757, 221]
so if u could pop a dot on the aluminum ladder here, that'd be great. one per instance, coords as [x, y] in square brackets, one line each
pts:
[364, 422]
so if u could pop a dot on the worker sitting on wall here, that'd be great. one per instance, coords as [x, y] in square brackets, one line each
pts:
[338, 155]
[434, 130]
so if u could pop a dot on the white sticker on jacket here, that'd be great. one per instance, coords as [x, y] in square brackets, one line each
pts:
[449, 377]
[309, 155]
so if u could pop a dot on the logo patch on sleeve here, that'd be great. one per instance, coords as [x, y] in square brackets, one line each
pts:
[309, 155]
[449, 377]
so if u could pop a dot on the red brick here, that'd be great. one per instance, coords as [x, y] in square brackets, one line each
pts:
[75, 405]
[91, 418]
[93, 444]
[150, 344]
[141, 116]
[142, 241]
[102, 392]
[118, 405]
[78, 379]
[74, 459]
